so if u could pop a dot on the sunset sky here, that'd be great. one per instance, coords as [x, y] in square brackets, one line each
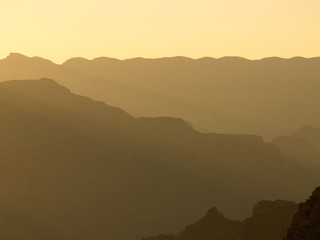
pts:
[254, 29]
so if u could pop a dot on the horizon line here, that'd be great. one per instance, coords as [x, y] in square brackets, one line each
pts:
[155, 58]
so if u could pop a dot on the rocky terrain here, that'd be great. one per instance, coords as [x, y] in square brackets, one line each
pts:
[306, 222]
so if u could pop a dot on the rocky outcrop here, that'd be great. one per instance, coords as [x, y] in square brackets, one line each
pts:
[306, 222]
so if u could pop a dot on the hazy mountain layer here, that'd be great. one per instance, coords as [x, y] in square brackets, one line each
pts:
[303, 145]
[309, 133]
[269, 97]
[85, 170]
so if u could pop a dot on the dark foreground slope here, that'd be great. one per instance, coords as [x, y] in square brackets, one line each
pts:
[85, 170]
[268, 97]
[269, 221]
[306, 222]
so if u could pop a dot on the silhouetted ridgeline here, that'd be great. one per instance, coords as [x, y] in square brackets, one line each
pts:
[212, 226]
[269, 221]
[268, 97]
[85, 170]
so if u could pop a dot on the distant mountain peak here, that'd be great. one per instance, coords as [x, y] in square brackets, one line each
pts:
[18, 57]
[307, 129]
[42, 81]
[270, 224]
[76, 60]
[213, 213]
[14, 55]
[310, 133]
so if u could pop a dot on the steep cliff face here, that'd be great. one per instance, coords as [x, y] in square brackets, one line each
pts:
[306, 222]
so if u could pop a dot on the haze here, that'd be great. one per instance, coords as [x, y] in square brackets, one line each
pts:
[159, 120]
[59, 30]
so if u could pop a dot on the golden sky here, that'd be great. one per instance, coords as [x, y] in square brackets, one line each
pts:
[61, 29]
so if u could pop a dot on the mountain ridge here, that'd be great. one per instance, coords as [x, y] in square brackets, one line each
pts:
[76, 163]
[269, 221]
[227, 95]
[17, 55]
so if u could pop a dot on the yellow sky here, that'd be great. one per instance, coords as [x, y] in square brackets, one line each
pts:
[61, 29]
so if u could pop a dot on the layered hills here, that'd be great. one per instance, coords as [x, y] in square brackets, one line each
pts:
[269, 97]
[87, 170]
[212, 226]
[269, 221]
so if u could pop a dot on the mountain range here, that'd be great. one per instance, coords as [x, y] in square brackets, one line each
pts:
[75, 168]
[269, 221]
[270, 97]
